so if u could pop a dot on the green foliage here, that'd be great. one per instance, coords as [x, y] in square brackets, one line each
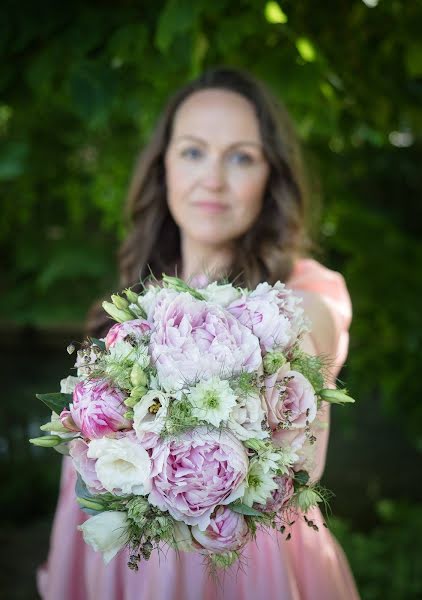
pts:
[386, 560]
[55, 401]
[82, 86]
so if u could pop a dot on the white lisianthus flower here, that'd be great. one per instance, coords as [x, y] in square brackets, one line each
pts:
[150, 412]
[220, 294]
[212, 400]
[247, 416]
[106, 533]
[123, 466]
[260, 483]
[68, 384]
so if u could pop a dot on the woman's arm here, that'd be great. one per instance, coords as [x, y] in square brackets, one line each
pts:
[321, 340]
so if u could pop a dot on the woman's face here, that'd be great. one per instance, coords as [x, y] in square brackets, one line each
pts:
[216, 171]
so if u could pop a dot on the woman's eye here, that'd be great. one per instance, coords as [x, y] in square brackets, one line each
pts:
[192, 153]
[241, 158]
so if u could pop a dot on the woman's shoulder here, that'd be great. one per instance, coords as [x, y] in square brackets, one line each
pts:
[309, 275]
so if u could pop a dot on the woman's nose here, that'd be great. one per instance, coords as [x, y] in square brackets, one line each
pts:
[213, 177]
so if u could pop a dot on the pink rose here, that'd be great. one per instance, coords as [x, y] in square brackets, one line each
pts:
[135, 329]
[197, 340]
[290, 399]
[194, 473]
[97, 408]
[280, 496]
[273, 314]
[85, 466]
[227, 531]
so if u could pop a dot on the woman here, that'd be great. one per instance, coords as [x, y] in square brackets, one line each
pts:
[218, 191]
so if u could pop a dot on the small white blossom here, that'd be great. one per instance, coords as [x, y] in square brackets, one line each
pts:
[212, 400]
[260, 483]
[106, 533]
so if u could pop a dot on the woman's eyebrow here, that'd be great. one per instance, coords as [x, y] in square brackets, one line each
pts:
[203, 142]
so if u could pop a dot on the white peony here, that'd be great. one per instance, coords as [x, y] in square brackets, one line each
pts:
[123, 466]
[212, 400]
[220, 294]
[150, 413]
[247, 416]
[106, 533]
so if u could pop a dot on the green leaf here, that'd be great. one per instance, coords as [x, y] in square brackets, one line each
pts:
[243, 509]
[176, 18]
[301, 477]
[56, 401]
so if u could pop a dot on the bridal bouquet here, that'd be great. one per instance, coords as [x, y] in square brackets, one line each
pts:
[191, 423]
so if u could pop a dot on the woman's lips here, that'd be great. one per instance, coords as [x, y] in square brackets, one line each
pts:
[211, 207]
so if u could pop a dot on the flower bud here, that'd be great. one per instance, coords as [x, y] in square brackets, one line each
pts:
[91, 504]
[55, 426]
[335, 396]
[131, 296]
[138, 377]
[273, 361]
[119, 302]
[47, 441]
[129, 414]
[138, 392]
[306, 498]
[118, 314]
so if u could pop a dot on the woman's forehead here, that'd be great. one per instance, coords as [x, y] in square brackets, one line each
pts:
[217, 114]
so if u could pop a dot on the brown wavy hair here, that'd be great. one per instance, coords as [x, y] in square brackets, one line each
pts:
[280, 234]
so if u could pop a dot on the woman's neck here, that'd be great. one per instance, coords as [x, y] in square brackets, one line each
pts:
[202, 259]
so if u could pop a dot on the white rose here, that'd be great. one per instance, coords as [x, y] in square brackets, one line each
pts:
[247, 416]
[68, 384]
[150, 413]
[106, 533]
[220, 294]
[123, 466]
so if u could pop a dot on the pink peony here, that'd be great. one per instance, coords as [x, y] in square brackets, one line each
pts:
[97, 409]
[281, 496]
[290, 399]
[273, 314]
[193, 474]
[227, 531]
[85, 466]
[196, 340]
[135, 329]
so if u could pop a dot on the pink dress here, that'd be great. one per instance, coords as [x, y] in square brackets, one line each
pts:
[309, 566]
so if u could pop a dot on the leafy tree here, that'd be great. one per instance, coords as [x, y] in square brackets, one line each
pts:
[82, 85]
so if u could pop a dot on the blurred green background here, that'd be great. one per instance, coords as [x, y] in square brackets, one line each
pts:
[82, 85]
